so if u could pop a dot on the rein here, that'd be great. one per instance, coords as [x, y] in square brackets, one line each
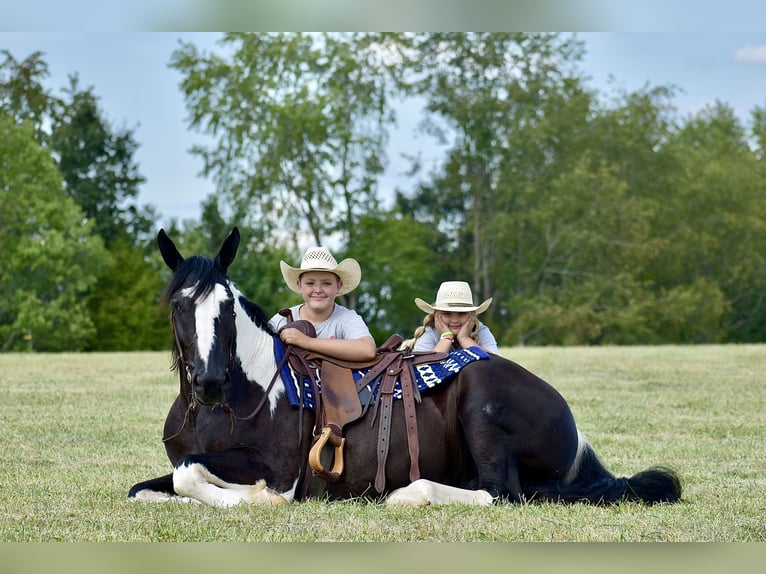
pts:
[266, 394]
[299, 357]
[290, 351]
[182, 368]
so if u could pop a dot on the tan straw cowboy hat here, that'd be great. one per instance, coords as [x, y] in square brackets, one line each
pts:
[320, 259]
[454, 296]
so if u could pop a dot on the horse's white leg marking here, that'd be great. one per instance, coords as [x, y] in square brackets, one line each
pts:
[196, 481]
[147, 495]
[289, 495]
[423, 492]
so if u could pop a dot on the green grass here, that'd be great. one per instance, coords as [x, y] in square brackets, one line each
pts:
[77, 430]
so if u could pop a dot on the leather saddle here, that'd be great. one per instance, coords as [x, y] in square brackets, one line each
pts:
[343, 400]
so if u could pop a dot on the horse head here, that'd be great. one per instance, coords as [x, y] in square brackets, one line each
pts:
[202, 314]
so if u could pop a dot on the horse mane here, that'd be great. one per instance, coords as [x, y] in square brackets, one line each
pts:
[202, 270]
[256, 313]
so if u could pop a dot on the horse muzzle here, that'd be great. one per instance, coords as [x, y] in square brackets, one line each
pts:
[209, 389]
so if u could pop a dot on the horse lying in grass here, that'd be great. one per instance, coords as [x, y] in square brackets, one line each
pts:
[492, 432]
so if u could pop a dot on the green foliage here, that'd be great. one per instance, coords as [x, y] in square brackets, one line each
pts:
[589, 218]
[592, 224]
[493, 90]
[396, 254]
[96, 162]
[50, 256]
[124, 304]
[716, 220]
[22, 94]
[297, 120]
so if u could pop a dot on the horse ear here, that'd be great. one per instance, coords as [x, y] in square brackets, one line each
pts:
[168, 250]
[228, 250]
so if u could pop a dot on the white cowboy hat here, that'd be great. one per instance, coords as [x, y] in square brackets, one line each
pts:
[454, 296]
[320, 259]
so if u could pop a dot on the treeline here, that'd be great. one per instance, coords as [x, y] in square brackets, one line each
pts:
[590, 218]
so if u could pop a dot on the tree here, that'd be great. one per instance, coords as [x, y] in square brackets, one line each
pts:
[22, 94]
[299, 121]
[715, 222]
[98, 166]
[491, 90]
[51, 258]
[124, 304]
[396, 254]
[585, 220]
[96, 162]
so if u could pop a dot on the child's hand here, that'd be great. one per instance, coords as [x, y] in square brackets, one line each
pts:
[439, 324]
[467, 327]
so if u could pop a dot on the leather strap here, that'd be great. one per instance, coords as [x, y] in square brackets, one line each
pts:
[384, 428]
[408, 398]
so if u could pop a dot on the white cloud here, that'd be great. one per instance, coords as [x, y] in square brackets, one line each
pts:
[751, 54]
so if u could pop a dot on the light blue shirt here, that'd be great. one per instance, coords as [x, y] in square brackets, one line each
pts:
[485, 339]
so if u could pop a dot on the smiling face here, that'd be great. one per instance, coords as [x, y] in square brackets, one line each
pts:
[319, 290]
[453, 320]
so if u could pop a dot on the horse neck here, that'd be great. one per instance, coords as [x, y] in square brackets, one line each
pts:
[255, 351]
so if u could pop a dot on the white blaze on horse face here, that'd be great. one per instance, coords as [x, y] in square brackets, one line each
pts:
[205, 314]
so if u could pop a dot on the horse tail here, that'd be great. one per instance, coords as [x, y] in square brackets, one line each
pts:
[589, 481]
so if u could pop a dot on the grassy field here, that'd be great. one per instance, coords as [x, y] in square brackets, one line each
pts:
[78, 430]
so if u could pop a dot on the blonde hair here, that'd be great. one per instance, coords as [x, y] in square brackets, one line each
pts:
[429, 321]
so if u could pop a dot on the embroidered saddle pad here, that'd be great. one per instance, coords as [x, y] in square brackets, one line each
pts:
[427, 376]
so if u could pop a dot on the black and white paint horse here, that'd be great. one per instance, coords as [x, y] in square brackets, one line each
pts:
[495, 432]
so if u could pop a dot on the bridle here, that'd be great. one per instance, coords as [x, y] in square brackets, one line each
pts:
[186, 376]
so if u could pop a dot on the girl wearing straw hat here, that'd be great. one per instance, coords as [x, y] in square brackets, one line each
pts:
[451, 321]
[341, 332]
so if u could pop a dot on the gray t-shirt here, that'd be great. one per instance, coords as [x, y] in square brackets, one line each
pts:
[344, 323]
[427, 341]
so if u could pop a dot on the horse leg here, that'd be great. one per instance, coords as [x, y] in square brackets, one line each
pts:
[226, 479]
[195, 481]
[499, 474]
[491, 444]
[424, 492]
[157, 490]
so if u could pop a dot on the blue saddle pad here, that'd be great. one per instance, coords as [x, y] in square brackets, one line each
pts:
[427, 376]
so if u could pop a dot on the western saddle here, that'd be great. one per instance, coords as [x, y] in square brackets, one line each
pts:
[342, 400]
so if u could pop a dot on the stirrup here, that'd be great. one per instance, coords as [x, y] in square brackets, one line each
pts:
[314, 455]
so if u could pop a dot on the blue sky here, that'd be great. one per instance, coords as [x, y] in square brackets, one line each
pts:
[129, 73]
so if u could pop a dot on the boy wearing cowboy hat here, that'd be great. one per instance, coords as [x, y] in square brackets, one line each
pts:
[340, 331]
[451, 321]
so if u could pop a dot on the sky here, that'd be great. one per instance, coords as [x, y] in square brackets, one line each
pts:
[137, 90]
